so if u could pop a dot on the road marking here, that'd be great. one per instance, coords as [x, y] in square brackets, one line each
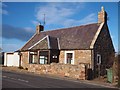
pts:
[22, 80]
[4, 76]
[15, 79]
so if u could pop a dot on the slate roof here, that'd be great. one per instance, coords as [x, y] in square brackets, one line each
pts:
[79, 37]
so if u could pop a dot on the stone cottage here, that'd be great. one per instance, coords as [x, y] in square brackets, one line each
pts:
[89, 44]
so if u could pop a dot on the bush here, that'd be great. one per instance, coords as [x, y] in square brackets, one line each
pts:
[20, 67]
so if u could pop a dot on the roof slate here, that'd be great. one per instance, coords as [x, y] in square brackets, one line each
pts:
[79, 37]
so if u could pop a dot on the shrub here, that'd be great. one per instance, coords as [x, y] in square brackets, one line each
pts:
[20, 67]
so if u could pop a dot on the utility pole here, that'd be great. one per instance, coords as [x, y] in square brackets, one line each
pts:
[44, 20]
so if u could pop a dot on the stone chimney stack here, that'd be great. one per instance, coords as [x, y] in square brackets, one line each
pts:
[102, 16]
[39, 28]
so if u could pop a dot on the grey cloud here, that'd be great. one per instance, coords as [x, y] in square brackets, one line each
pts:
[10, 32]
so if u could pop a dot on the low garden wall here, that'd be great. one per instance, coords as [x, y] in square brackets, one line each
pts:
[66, 70]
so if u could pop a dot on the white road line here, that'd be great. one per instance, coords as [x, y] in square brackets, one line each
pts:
[22, 80]
[15, 79]
[4, 76]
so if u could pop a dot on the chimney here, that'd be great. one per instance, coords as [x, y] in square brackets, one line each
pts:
[102, 16]
[39, 28]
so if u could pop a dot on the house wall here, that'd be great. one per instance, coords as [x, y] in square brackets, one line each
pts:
[104, 47]
[80, 56]
[25, 59]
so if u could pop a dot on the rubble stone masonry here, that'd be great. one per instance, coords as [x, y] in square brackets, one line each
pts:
[25, 60]
[104, 47]
[81, 56]
[66, 70]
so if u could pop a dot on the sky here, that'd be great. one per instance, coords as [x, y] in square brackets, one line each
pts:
[19, 19]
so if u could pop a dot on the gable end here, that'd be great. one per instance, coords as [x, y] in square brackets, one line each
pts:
[96, 35]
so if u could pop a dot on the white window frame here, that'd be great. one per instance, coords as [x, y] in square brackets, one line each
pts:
[98, 55]
[65, 59]
[33, 59]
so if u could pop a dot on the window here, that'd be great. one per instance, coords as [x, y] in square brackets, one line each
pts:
[98, 59]
[43, 57]
[43, 60]
[33, 57]
[54, 56]
[69, 57]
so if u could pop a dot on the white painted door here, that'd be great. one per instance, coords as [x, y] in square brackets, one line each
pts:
[10, 59]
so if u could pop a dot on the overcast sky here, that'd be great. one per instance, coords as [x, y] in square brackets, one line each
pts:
[19, 19]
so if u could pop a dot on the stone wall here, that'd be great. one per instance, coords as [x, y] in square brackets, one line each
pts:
[66, 70]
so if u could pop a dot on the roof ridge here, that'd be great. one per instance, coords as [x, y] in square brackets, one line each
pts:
[69, 27]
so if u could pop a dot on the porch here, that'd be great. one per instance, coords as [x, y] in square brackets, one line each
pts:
[43, 56]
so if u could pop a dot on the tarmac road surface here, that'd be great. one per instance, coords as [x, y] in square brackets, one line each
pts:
[20, 80]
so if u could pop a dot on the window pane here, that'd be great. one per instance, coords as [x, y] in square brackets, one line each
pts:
[69, 58]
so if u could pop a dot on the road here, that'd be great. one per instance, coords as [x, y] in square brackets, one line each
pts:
[19, 80]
